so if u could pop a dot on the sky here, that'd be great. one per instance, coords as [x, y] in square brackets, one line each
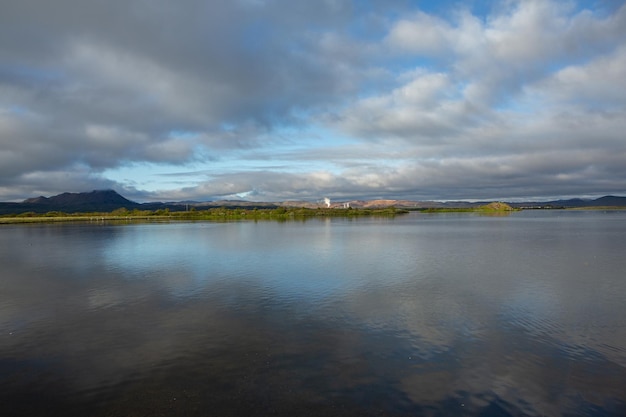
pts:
[273, 100]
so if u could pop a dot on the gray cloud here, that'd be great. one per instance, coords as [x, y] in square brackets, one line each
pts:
[349, 100]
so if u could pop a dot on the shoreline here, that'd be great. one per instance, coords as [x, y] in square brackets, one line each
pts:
[219, 215]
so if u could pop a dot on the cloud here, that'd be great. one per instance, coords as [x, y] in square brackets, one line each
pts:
[594, 85]
[421, 107]
[523, 42]
[369, 94]
[423, 34]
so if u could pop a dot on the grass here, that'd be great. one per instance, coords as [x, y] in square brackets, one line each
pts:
[213, 214]
[491, 208]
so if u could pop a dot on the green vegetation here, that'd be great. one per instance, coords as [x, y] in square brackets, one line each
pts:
[212, 214]
[497, 206]
[491, 208]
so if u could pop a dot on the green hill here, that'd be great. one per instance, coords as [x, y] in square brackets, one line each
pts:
[496, 206]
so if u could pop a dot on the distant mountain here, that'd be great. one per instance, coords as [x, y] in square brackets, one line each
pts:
[109, 200]
[93, 198]
[606, 201]
[574, 202]
[94, 201]
[610, 201]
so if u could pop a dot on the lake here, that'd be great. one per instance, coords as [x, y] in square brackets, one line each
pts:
[422, 314]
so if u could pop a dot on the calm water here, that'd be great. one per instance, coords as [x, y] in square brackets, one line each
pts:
[435, 315]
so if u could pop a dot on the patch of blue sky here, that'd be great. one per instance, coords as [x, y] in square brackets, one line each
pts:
[255, 36]
[227, 127]
[397, 70]
[18, 110]
[372, 20]
[155, 177]
[38, 75]
[286, 160]
[482, 9]
[514, 100]
[316, 136]
[404, 63]
[518, 107]
[391, 11]
[183, 134]
[448, 8]
[602, 8]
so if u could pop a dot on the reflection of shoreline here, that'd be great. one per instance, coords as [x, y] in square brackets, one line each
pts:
[495, 213]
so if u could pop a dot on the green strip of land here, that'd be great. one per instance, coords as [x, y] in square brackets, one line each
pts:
[491, 208]
[213, 214]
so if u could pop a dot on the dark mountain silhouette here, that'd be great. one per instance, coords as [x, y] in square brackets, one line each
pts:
[94, 201]
[610, 200]
[574, 202]
[105, 198]
[606, 201]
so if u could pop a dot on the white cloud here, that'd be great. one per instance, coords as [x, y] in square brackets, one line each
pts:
[497, 56]
[422, 33]
[597, 84]
[524, 98]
